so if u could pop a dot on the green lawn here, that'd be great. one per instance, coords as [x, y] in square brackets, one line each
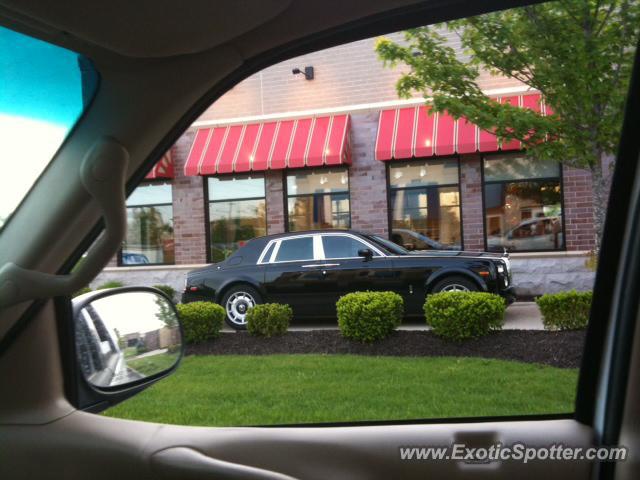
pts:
[153, 364]
[280, 389]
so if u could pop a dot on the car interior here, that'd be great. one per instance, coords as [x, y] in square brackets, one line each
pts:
[161, 64]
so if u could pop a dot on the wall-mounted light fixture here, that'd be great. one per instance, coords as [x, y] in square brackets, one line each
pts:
[308, 72]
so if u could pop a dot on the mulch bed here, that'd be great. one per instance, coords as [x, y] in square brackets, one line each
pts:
[558, 349]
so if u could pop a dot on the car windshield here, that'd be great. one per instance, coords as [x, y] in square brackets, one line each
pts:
[45, 89]
[388, 246]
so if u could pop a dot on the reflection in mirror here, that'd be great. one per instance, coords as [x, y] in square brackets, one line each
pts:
[126, 337]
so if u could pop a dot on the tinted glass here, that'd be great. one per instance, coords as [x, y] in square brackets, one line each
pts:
[43, 91]
[319, 212]
[232, 223]
[295, 249]
[338, 246]
[423, 173]
[524, 216]
[152, 194]
[149, 237]
[267, 254]
[319, 181]
[513, 167]
[424, 219]
[230, 188]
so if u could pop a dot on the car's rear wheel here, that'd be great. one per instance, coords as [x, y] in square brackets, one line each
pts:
[236, 302]
[455, 284]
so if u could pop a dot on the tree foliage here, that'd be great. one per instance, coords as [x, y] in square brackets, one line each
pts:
[577, 53]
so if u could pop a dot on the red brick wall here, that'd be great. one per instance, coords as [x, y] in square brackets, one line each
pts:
[578, 209]
[367, 178]
[368, 192]
[471, 202]
[188, 208]
[275, 202]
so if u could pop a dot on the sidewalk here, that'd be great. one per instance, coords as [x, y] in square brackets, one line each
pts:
[519, 316]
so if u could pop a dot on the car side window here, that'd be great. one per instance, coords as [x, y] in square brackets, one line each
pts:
[341, 246]
[267, 255]
[295, 249]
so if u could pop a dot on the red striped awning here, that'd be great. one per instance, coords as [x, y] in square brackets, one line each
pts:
[162, 169]
[415, 132]
[303, 142]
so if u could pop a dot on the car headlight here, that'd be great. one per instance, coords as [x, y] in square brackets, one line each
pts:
[507, 263]
[501, 269]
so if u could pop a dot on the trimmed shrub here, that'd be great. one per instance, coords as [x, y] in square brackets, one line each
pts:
[565, 310]
[369, 316]
[201, 321]
[458, 316]
[168, 290]
[82, 291]
[111, 284]
[269, 319]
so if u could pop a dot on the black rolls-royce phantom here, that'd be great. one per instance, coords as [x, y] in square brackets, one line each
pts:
[311, 270]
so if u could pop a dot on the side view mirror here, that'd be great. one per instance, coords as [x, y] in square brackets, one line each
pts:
[366, 253]
[126, 339]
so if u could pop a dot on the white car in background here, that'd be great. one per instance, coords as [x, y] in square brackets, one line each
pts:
[541, 233]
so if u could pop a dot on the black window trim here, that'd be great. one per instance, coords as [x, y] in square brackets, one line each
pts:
[483, 183]
[286, 195]
[208, 202]
[391, 189]
[155, 181]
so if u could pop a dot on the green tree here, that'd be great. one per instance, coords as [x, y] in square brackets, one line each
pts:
[165, 313]
[577, 53]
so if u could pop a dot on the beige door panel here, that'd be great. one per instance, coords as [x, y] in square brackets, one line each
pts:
[84, 445]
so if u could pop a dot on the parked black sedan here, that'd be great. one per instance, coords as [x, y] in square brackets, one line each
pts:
[311, 270]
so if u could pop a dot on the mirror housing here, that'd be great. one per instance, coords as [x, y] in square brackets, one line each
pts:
[366, 253]
[125, 339]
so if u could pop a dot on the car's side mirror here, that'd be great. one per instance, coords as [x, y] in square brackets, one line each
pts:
[366, 253]
[125, 340]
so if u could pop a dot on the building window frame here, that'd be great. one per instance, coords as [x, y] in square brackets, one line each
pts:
[559, 178]
[286, 195]
[391, 189]
[208, 202]
[156, 181]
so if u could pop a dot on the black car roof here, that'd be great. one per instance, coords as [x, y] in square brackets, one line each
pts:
[252, 249]
[308, 232]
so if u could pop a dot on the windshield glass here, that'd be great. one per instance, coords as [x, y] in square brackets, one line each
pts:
[43, 91]
[388, 246]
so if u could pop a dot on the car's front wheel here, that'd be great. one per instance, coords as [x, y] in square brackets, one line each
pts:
[236, 302]
[455, 284]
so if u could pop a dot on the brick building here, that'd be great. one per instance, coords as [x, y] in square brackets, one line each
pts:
[282, 152]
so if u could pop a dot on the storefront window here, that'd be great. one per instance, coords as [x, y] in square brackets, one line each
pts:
[318, 200]
[237, 213]
[425, 204]
[149, 238]
[523, 204]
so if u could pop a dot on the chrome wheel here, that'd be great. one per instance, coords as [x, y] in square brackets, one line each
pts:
[455, 287]
[237, 305]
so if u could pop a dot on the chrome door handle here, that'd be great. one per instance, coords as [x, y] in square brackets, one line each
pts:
[321, 265]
